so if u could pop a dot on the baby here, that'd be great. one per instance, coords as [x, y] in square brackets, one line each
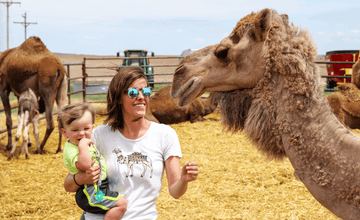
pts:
[76, 122]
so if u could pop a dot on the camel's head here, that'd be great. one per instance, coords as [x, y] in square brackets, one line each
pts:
[237, 62]
[264, 64]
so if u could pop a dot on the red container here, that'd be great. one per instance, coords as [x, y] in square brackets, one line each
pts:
[340, 69]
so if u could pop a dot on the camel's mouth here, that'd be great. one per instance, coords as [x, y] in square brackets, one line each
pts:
[190, 91]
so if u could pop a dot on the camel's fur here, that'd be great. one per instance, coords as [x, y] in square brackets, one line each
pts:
[32, 65]
[28, 112]
[286, 57]
[163, 109]
[279, 104]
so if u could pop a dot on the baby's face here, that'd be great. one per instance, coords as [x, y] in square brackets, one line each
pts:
[78, 129]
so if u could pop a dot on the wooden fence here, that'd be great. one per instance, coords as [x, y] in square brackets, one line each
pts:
[86, 69]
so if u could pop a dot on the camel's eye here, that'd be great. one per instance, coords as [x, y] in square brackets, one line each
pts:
[221, 52]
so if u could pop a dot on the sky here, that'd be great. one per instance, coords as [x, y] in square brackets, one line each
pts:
[167, 27]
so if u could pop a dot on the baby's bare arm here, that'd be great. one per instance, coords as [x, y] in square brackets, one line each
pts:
[84, 160]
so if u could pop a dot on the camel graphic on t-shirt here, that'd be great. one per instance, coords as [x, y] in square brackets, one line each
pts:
[134, 158]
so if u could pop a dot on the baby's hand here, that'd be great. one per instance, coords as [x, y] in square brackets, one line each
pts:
[85, 142]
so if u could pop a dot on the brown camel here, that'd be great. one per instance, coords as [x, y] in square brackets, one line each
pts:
[163, 109]
[268, 86]
[32, 65]
[345, 102]
[355, 76]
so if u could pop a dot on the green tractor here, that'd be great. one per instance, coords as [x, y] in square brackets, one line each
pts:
[143, 62]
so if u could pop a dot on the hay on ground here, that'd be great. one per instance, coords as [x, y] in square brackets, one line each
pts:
[235, 181]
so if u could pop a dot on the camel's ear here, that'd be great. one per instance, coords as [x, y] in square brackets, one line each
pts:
[262, 24]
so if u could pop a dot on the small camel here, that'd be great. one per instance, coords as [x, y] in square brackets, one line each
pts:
[345, 102]
[32, 65]
[28, 112]
[163, 109]
[268, 86]
[134, 158]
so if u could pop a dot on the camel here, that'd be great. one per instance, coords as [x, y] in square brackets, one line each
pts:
[268, 86]
[163, 109]
[355, 76]
[345, 102]
[28, 112]
[32, 65]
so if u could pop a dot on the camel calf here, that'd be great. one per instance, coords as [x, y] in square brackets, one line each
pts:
[164, 109]
[28, 113]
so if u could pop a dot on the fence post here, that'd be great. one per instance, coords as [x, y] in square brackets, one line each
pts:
[84, 80]
[68, 70]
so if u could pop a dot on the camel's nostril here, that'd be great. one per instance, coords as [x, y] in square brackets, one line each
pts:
[179, 69]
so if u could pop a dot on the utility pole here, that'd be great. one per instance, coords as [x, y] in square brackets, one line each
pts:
[25, 23]
[8, 3]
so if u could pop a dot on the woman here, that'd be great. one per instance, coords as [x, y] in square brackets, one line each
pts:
[136, 150]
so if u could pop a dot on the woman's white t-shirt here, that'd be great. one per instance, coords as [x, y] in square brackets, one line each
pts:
[128, 160]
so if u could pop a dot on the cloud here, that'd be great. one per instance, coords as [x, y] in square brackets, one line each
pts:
[180, 30]
[199, 40]
[355, 31]
[340, 33]
[321, 33]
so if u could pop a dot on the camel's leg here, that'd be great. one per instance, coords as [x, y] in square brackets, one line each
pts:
[129, 168]
[5, 100]
[132, 169]
[49, 103]
[61, 101]
[36, 131]
[25, 136]
[150, 166]
[29, 142]
[145, 168]
[17, 136]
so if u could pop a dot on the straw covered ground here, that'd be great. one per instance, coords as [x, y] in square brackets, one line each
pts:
[235, 181]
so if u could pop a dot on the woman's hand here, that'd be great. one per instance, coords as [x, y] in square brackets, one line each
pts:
[89, 176]
[189, 172]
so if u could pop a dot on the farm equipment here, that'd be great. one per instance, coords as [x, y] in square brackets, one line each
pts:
[139, 58]
[340, 72]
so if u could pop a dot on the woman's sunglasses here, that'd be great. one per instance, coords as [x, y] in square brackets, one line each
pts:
[134, 92]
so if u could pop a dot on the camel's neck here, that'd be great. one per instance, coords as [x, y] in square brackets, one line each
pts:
[324, 153]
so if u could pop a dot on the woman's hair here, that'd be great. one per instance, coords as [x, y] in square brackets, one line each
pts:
[72, 112]
[121, 81]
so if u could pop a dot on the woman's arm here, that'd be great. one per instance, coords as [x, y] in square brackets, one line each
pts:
[89, 176]
[178, 179]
